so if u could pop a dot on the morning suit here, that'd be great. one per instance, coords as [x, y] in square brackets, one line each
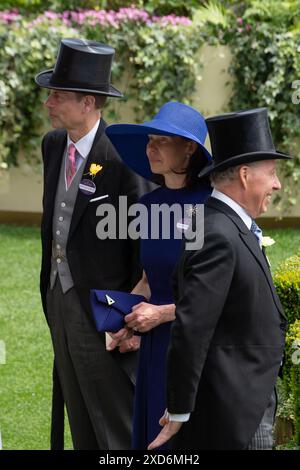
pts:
[227, 340]
[97, 385]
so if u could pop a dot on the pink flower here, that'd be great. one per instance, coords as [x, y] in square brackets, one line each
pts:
[172, 19]
[8, 17]
[95, 17]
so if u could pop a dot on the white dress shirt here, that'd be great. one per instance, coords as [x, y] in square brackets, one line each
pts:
[83, 146]
[234, 206]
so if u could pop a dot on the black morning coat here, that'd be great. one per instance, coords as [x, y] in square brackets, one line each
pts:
[227, 341]
[94, 263]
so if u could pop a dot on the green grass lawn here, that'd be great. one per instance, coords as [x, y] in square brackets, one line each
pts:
[25, 379]
[287, 243]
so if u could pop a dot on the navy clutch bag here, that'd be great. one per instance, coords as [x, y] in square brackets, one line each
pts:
[109, 308]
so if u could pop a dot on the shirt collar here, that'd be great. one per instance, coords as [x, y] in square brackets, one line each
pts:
[234, 206]
[84, 145]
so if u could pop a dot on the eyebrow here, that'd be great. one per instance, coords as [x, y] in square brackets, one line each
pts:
[59, 93]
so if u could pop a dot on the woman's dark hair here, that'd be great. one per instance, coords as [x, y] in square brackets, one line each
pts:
[197, 161]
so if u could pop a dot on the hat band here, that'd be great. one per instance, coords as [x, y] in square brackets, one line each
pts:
[76, 84]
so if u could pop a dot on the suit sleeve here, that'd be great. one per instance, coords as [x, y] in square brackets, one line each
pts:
[42, 272]
[46, 257]
[130, 188]
[206, 276]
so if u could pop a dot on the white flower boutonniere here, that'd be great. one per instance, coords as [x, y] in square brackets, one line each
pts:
[267, 241]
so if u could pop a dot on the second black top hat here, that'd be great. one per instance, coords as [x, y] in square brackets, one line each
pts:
[240, 137]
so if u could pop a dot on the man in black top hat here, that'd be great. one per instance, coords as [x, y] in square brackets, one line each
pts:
[81, 171]
[227, 340]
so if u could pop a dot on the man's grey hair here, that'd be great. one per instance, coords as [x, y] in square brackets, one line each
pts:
[228, 175]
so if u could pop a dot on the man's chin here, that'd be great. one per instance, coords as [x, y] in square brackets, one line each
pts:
[263, 209]
[266, 205]
[56, 124]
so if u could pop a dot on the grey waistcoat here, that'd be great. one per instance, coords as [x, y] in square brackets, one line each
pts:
[62, 216]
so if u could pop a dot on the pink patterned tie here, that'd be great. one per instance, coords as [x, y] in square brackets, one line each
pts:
[71, 165]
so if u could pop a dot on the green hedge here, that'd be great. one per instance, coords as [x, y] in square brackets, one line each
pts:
[292, 375]
[287, 282]
[265, 42]
[159, 7]
[264, 38]
[24, 51]
[160, 54]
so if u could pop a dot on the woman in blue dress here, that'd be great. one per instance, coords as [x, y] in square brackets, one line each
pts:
[169, 150]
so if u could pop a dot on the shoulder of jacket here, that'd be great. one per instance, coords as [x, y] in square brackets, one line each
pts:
[54, 135]
[220, 225]
[103, 144]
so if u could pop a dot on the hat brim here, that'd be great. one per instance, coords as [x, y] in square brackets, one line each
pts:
[43, 79]
[130, 141]
[243, 158]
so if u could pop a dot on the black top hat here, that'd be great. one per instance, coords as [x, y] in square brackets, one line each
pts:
[240, 137]
[81, 66]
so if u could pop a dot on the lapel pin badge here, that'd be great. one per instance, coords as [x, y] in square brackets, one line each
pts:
[87, 186]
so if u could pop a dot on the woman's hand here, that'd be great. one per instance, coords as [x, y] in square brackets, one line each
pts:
[144, 317]
[125, 340]
[118, 337]
[130, 345]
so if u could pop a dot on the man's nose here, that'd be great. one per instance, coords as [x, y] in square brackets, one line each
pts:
[47, 102]
[277, 184]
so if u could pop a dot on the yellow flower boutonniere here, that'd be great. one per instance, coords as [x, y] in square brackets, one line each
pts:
[267, 241]
[94, 169]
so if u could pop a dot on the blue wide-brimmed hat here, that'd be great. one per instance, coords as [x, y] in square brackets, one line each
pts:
[173, 118]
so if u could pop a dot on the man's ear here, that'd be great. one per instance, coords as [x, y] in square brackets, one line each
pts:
[244, 174]
[89, 103]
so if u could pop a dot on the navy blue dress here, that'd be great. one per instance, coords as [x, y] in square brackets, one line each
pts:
[158, 257]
